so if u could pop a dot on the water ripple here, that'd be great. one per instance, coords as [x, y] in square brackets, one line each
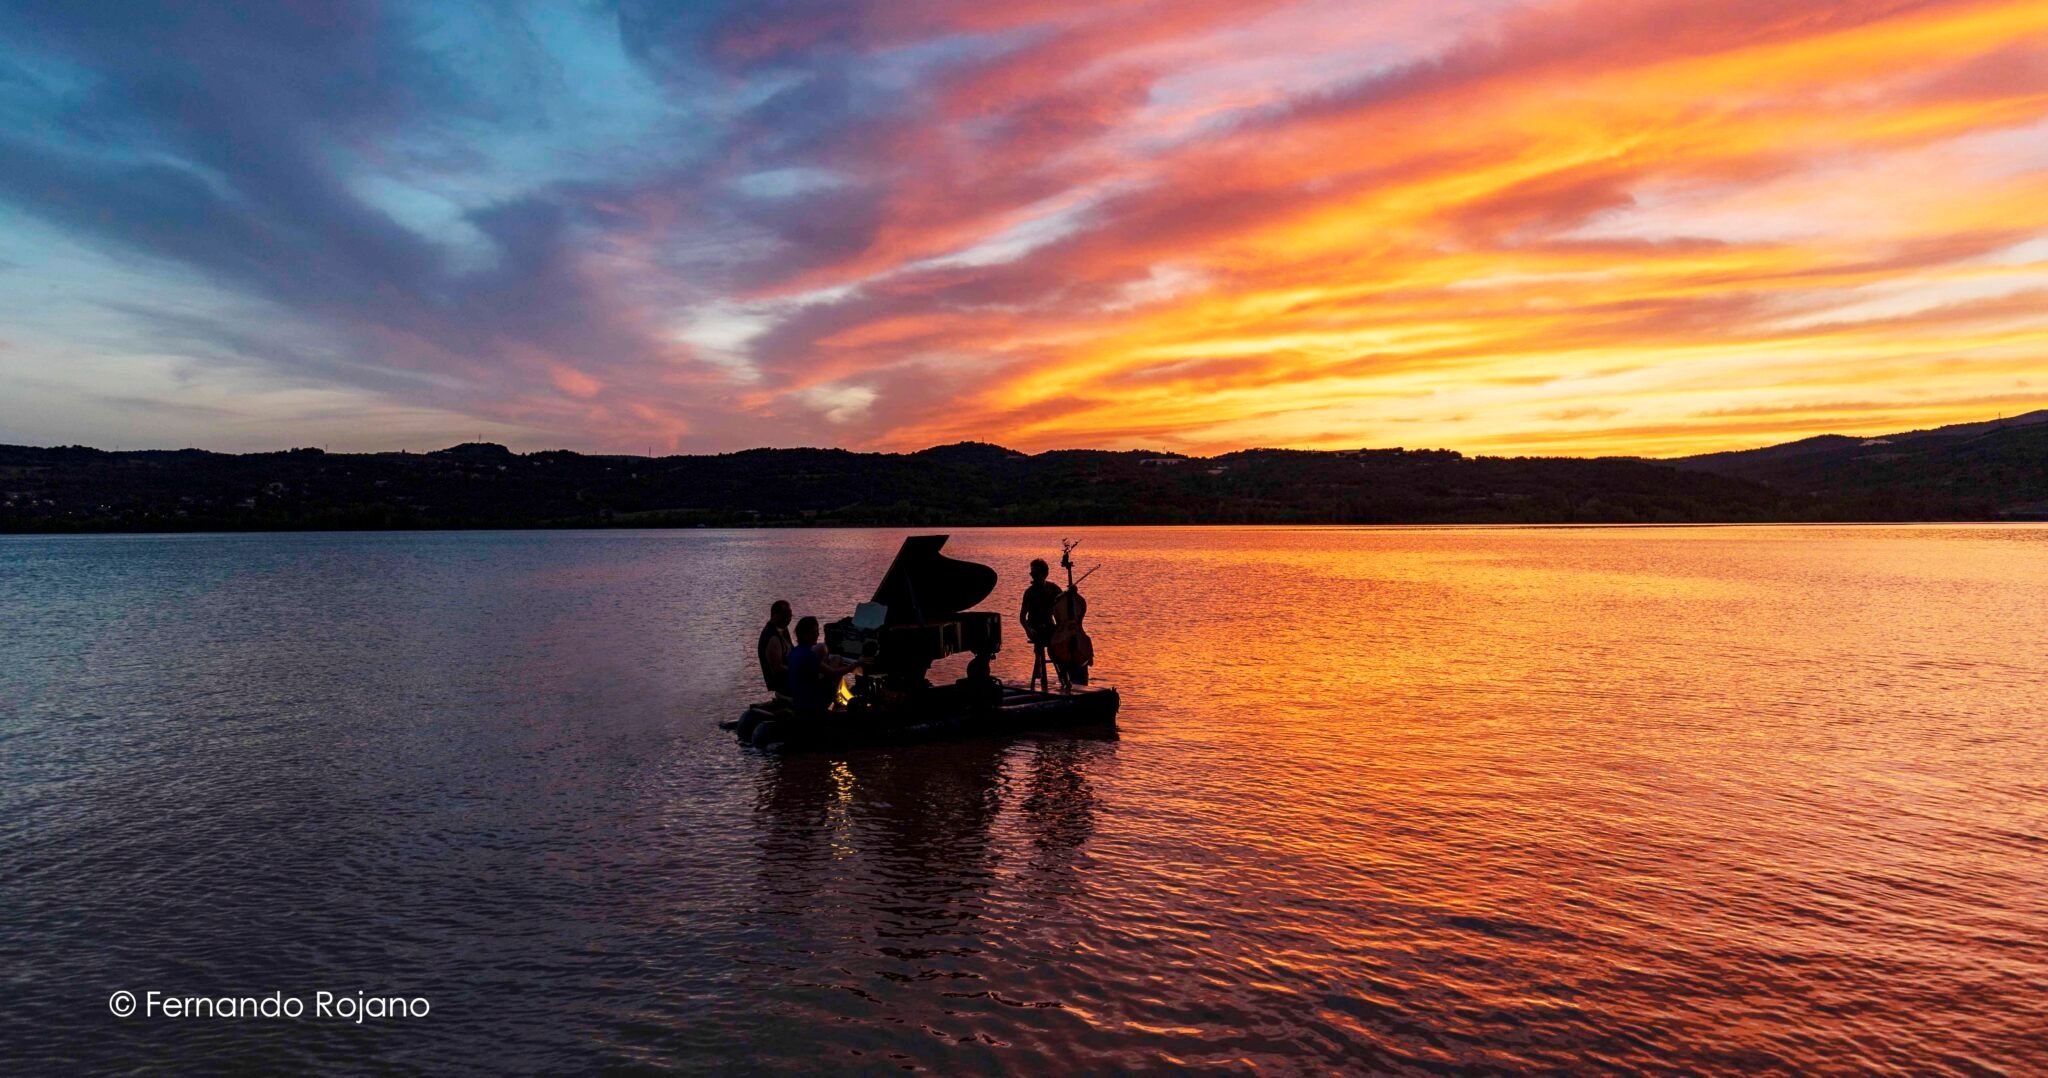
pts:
[1409, 800]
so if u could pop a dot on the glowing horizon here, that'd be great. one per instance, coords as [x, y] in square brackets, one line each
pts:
[1494, 226]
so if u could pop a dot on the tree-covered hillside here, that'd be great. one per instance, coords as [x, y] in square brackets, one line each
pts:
[483, 485]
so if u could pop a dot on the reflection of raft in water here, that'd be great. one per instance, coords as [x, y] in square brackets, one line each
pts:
[918, 616]
[1019, 711]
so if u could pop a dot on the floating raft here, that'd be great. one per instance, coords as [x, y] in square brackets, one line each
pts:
[774, 728]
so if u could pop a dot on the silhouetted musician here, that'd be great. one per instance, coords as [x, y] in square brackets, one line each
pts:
[1036, 615]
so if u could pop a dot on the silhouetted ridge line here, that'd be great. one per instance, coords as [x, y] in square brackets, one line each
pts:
[1990, 470]
[1976, 471]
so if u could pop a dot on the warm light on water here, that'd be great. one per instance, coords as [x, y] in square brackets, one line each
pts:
[1727, 799]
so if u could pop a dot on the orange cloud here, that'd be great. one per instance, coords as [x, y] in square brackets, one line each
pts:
[574, 382]
[1721, 204]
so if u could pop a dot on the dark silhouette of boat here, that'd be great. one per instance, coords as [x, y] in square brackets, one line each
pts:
[918, 616]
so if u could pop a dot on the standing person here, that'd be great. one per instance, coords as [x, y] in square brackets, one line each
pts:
[1036, 616]
[773, 649]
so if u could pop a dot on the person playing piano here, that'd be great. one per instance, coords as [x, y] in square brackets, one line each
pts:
[814, 672]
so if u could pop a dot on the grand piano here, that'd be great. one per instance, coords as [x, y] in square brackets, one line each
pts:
[919, 615]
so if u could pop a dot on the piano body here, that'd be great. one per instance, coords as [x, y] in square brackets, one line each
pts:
[919, 615]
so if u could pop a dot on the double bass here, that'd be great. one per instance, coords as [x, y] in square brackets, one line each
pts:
[1070, 646]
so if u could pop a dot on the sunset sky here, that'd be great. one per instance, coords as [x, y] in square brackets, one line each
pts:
[1635, 226]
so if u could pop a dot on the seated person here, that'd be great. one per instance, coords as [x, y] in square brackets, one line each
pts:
[814, 672]
[1036, 616]
[982, 687]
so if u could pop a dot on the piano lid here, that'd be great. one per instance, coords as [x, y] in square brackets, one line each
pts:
[925, 585]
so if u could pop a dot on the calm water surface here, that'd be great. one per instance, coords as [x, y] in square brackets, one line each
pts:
[1728, 799]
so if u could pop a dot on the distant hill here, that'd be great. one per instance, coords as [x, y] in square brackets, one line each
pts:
[484, 485]
[1990, 470]
[1975, 471]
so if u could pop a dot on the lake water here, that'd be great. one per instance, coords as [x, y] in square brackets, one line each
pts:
[1729, 799]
